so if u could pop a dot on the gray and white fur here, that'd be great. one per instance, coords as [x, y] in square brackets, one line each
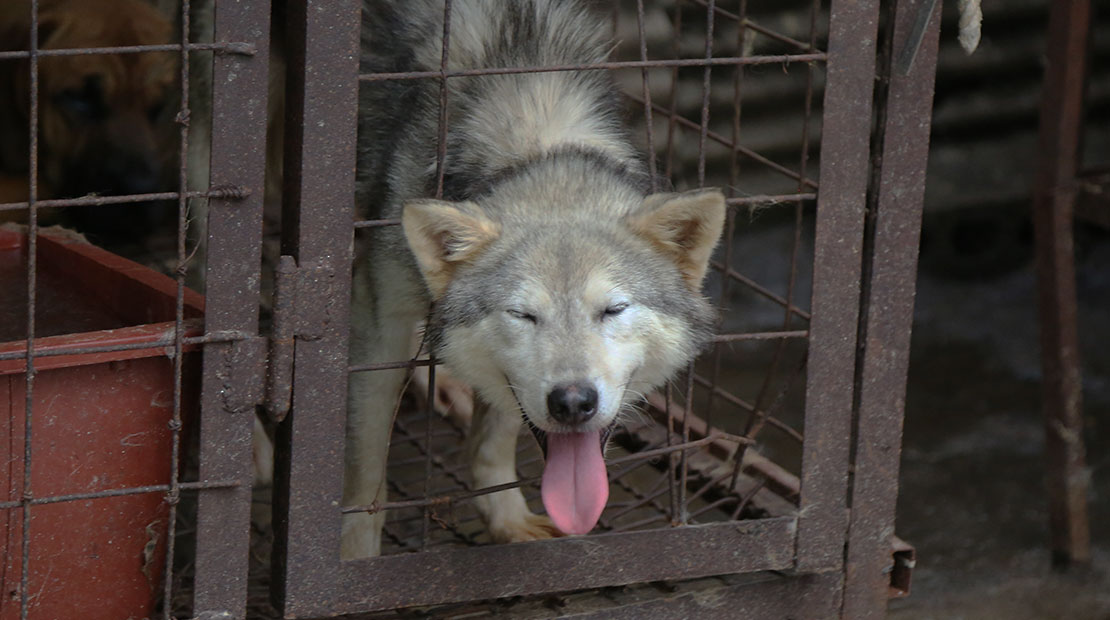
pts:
[545, 267]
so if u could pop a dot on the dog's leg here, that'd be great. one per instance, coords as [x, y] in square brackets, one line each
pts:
[379, 334]
[262, 455]
[453, 399]
[491, 446]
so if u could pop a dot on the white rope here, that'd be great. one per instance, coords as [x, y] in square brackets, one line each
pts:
[971, 24]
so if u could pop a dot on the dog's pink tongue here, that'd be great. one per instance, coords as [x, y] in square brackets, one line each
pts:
[575, 486]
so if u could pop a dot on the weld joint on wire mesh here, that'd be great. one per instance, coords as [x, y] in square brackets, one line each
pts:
[228, 192]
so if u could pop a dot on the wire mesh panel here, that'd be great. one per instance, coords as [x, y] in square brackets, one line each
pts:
[104, 358]
[742, 462]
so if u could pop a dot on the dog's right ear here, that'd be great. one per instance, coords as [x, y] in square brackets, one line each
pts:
[443, 235]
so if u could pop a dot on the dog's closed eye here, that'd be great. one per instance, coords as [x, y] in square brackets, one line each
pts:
[82, 105]
[614, 309]
[523, 315]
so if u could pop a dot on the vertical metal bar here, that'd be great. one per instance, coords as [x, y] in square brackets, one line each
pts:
[646, 90]
[32, 259]
[320, 175]
[822, 522]
[441, 157]
[441, 130]
[240, 86]
[705, 88]
[889, 299]
[672, 106]
[672, 483]
[616, 18]
[1054, 197]
[730, 191]
[672, 487]
[803, 168]
[689, 400]
[429, 413]
[687, 407]
[795, 243]
[173, 496]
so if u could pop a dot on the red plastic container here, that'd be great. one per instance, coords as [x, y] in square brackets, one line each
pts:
[100, 421]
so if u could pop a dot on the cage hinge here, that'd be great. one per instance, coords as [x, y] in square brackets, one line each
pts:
[244, 371]
[303, 298]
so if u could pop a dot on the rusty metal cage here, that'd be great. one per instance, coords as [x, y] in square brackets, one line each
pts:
[784, 465]
[686, 501]
[227, 339]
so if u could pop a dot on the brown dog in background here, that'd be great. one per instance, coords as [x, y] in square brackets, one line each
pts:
[105, 120]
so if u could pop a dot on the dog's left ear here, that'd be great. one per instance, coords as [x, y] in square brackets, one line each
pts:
[443, 235]
[685, 227]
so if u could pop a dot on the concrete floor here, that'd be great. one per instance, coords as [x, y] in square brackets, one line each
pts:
[972, 498]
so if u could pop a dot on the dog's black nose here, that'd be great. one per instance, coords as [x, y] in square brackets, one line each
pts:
[572, 403]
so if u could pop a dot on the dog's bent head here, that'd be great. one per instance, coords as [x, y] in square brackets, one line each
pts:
[568, 313]
[102, 117]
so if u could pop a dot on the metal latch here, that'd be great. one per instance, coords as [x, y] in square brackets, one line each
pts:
[302, 310]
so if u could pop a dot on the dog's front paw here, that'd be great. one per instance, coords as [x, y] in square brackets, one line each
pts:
[529, 527]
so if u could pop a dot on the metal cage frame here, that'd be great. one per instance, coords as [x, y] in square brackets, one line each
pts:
[858, 351]
[835, 556]
[233, 351]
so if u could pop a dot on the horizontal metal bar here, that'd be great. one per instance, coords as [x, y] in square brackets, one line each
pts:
[761, 199]
[227, 48]
[226, 193]
[464, 495]
[800, 333]
[377, 223]
[599, 66]
[166, 342]
[155, 488]
[766, 199]
[391, 365]
[563, 564]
